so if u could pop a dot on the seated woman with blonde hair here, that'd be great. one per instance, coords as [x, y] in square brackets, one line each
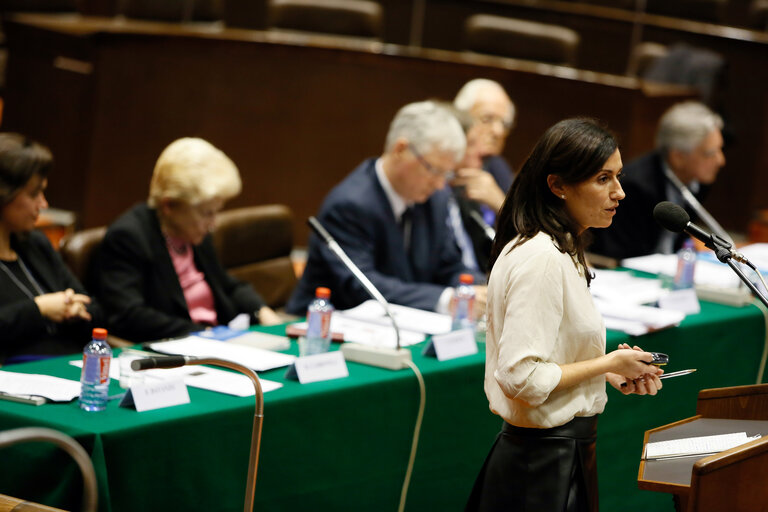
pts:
[160, 276]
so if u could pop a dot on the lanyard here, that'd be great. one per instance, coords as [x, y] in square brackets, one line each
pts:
[29, 293]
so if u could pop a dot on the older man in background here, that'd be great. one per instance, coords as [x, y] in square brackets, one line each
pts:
[389, 216]
[484, 177]
[687, 158]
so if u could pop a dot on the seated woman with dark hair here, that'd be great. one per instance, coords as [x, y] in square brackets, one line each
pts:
[160, 276]
[44, 310]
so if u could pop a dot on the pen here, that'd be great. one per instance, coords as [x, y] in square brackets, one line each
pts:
[677, 374]
[669, 375]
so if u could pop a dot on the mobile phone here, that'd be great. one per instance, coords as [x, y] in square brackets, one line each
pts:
[659, 359]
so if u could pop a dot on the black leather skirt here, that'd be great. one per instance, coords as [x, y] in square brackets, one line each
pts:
[540, 470]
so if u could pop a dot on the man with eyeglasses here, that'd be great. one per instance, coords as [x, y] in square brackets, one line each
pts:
[687, 159]
[389, 216]
[484, 176]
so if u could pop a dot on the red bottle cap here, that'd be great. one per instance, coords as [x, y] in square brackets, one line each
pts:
[466, 279]
[322, 293]
[99, 333]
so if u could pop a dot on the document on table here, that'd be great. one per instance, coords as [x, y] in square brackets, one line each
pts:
[254, 358]
[200, 376]
[637, 320]
[55, 389]
[368, 333]
[690, 446]
[623, 287]
[408, 319]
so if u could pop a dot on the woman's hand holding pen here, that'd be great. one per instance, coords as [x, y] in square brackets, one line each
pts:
[633, 372]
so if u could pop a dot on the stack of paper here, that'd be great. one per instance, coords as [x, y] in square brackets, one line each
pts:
[254, 358]
[30, 384]
[367, 324]
[689, 446]
[637, 320]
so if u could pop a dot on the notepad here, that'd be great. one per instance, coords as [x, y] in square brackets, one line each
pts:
[690, 446]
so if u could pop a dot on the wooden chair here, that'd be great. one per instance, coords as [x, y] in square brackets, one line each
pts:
[521, 39]
[254, 244]
[358, 18]
[172, 10]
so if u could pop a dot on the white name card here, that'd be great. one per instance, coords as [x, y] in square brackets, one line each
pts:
[318, 367]
[452, 345]
[684, 301]
[156, 395]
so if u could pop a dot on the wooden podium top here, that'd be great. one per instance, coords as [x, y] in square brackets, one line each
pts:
[672, 475]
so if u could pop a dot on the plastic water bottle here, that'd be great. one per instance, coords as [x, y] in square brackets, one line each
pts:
[318, 338]
[686, 266]
[464, 302]
[94, 379]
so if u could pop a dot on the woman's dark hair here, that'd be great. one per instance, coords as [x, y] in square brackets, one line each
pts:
[20, 159]
[574, 150]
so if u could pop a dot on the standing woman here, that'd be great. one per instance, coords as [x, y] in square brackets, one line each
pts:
[44, 310]
[546, 365]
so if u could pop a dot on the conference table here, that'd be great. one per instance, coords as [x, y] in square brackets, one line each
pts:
[344, 444]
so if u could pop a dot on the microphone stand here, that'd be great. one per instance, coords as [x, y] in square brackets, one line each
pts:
[258, 415]
[362, 279]
[489, 232]
[722, 249]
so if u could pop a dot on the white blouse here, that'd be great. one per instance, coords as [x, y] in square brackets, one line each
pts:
[540, 315]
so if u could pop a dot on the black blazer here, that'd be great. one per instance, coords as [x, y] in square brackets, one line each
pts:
[502, 173]
[634, 231]
[358, 215]
[23, 330]
[140, 289]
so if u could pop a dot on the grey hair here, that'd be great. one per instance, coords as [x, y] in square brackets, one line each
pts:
[471, 92]
[685, 125]
[192, 170]
[428, 126]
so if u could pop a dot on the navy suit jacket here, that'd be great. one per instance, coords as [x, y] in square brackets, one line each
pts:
[23, 330]
[358, 215]
[141, 290]
[634, 231]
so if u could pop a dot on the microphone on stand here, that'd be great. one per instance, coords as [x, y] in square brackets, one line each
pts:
[150, 363]
[490, 233]
[258, 414]
[375, 356]
[674, 218]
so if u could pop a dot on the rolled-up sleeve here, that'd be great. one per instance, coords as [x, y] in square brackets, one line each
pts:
[525, 370]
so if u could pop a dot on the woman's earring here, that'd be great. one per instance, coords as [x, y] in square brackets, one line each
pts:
[563, 196]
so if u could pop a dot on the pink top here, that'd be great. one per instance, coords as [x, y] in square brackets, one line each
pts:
[197, 292]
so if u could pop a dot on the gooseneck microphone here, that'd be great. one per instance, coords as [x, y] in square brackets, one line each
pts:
[367, 284]
[490, 233]
[673, 217]
[150, 363]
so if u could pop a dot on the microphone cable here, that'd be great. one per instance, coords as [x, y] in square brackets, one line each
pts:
[416, 433]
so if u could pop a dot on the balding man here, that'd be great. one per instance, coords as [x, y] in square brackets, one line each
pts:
[688, 156]
[484, 176]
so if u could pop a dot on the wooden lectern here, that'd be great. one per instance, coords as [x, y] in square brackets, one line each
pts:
[735, 480]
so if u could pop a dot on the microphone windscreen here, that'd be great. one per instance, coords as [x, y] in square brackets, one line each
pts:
[671, 216]
[158, 362]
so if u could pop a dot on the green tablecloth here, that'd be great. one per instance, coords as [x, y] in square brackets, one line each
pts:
[344, 444]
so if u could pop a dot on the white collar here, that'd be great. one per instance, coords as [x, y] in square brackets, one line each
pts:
[396, 201]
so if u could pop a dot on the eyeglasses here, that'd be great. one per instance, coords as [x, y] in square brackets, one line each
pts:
[447, 175]
[489, 119]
